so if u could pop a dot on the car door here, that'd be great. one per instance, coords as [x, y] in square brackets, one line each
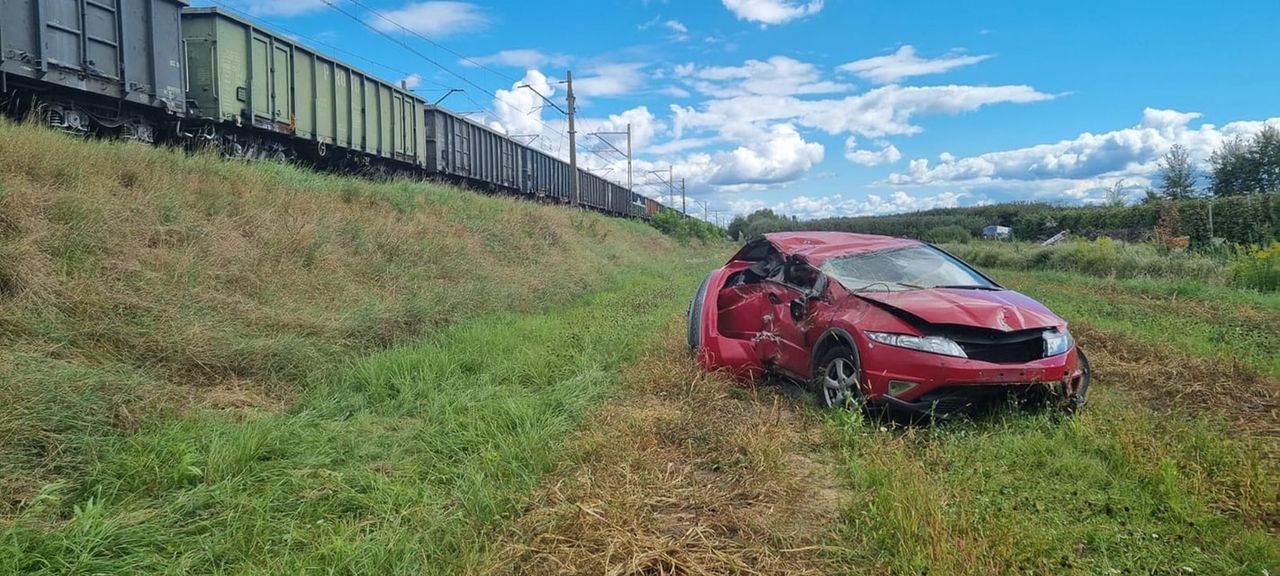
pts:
[791, 313]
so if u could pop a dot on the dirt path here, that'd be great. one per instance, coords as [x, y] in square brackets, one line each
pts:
[683, 473]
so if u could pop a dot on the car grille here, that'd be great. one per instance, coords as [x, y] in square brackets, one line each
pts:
[1002, 351]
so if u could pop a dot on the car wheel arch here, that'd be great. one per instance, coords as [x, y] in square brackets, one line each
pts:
[832, 337]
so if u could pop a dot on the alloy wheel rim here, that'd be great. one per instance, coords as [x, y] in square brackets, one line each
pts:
[839, 383]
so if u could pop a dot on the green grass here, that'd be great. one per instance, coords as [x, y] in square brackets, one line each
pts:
[1122, 488]
[1213, 322]
[403, 463]
[1117, 489]
[1103, 257]
[138, 282]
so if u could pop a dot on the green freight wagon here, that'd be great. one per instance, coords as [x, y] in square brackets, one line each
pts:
[243, 76]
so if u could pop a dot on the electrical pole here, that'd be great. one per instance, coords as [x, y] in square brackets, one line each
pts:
[601, 136]
[573, 142]
[671, 183]
[684, 200]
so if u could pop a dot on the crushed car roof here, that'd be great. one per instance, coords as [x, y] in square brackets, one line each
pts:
[817, 247]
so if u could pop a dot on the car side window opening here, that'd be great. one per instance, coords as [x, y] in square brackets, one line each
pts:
[800, 275]
[898, 269]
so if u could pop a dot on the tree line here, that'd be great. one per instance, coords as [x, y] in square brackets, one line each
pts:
[1234, 219]
[1240, 167]
[1238, 203]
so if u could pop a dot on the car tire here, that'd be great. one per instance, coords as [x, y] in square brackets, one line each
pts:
[695, 316]
[1077, 401]
[837, 383]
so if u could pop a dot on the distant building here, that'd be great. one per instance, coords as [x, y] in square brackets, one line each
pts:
[995, 232]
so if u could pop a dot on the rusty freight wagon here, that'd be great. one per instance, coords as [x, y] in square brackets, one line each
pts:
[111, 66]
[263, 95]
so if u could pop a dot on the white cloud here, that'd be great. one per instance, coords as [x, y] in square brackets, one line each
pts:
[679, 31]
[434, 19]
[412, 81]
[781, 155]
[612, 79]
[885, 111]
[1085, 162]
[767, 157]
[772, 11]
[779, 75]
[905, 64]
[519, 109]
[675, 92]
[838, 205]
[521, 58]
[645, 128]
[276, 7]
[888, 153]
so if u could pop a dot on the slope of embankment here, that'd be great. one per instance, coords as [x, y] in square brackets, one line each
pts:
[141, 284]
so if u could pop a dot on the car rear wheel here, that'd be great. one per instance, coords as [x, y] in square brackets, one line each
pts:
[695, 316]
[838, 382]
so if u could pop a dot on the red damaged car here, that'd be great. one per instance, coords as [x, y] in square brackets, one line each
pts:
[881, 321]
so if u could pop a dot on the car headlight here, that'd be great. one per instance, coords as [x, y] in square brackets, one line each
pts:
[932, 344]
[1057, 342]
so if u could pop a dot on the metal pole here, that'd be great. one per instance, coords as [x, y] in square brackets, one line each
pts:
[630, 188]
[671, 184]
[684, 200]
[573, 142]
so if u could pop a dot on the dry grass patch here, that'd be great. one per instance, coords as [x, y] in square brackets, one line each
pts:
[1166, 379]
[683, 473]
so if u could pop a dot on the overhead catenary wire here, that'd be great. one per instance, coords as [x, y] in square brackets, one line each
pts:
[424, 38]
[335, 7]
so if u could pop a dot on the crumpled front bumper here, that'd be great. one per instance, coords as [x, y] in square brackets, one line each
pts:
[942, 385]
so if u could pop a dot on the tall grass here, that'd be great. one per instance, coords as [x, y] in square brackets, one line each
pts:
[403, 463]
[136, 283]
[1119, 489]
[1103, 257]
[1257, 267]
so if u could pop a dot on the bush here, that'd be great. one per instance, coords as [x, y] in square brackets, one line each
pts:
[1103, 257]
[948, 234]
[683, 228]
[1257, 268]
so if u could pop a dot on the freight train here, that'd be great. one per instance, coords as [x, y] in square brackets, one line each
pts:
[161, 71]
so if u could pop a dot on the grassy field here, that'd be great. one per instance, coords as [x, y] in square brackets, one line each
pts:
[227, 368]
[213, 366]
[403, 463]
[689, 474]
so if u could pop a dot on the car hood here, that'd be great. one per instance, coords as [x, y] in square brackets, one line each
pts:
[1004, 310]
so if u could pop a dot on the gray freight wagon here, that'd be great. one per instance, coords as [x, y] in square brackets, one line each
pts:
[96, 64]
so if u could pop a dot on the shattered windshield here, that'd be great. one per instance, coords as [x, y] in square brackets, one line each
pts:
[909, 268]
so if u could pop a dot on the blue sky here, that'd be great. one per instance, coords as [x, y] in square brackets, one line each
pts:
[836, 107]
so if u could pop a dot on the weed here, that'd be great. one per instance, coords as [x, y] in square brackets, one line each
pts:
[1257, 268]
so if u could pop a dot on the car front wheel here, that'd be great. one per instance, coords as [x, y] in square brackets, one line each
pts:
[838, 382]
